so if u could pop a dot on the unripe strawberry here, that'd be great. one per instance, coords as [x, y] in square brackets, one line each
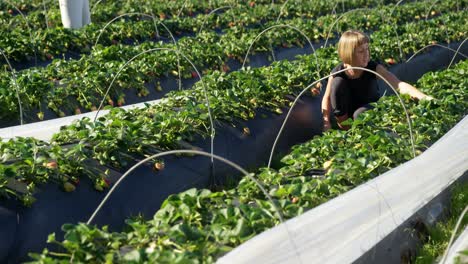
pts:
[40, 115]
[69, 187]
[98, 187]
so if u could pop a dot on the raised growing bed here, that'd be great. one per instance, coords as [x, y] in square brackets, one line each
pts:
[203, 225]
[63, 77]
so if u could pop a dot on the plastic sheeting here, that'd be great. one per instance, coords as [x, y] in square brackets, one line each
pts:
[26, 229]
[351, 225]
[460, 244]
[44, 130]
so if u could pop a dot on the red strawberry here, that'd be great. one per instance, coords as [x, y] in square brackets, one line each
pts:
[51, 164]
[315, 91]
[120, 102]
[194, 74]
[106, 182]
[390, 61]
[251, 3]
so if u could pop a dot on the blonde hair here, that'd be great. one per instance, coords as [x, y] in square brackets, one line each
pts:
[348, 43]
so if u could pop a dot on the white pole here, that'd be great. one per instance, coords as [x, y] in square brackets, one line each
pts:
[75, 13]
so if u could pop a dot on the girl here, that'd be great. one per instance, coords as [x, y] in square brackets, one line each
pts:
[349, 93]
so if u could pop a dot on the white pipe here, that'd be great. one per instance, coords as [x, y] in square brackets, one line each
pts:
[75, 13]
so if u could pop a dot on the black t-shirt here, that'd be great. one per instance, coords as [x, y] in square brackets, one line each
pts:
[364, 89]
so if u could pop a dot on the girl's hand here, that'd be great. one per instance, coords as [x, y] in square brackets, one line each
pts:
[427, 98]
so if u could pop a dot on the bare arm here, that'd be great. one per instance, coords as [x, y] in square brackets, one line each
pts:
[326, 105]
[401, 87]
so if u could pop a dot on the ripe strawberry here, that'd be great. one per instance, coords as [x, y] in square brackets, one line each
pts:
[51, 164]
[162, 16]
[69, 187]
[159, 166]
[251, 3]
[106, 182]
[315, 91]
[390, 61]
[225, 68]
[121, 101]
[194, 74]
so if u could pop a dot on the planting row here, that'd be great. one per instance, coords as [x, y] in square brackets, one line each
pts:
[68, 87]
[200, 225]
[19, 46]
[115, 140]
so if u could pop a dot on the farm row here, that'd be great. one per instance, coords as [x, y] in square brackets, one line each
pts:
[23, 34]
[68, 87]
[200, 225]
[117, 139]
